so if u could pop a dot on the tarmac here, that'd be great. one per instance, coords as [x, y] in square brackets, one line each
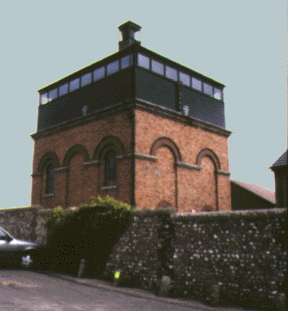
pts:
[145, 294]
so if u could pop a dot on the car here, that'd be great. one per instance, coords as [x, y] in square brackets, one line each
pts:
[19, 252]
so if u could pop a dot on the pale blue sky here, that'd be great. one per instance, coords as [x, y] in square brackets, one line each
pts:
[241, 44]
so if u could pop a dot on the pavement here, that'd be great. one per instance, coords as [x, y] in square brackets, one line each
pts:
[141, 293]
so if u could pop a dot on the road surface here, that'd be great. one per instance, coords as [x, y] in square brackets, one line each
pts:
[32, 291]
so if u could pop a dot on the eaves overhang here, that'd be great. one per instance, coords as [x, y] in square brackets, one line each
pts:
[87, 69]
[130, 49]
[169, 62]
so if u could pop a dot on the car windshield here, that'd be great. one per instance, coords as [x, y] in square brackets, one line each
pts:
[3, 235]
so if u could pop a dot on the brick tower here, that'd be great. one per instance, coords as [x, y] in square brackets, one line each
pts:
[136, 126]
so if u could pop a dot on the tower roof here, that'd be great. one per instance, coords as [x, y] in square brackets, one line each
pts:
[281, 161]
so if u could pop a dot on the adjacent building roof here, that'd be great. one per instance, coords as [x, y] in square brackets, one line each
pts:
[282, 160]
[258, 190]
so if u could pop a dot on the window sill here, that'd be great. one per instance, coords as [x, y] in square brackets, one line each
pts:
[109, 187]
[48, 195]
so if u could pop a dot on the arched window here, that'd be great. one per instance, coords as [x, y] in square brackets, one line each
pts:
[110, 168]
[50, 179]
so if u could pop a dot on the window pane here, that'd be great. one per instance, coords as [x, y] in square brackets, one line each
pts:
[50, 179]
[208, 89]
[110, 168]
[44, 98]
[157, 67]
[63, 89]
[74, 84]
[3, 235]
[126, 61]
[86, 79]
[143, 61]
[52, 94]
[113, 67]
[171, 73]
[217, 93]
[184, 78]
[99, 73]
[196, 84]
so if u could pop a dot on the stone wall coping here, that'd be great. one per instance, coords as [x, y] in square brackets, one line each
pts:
[34, 208]
[190, 166]
[44, 210]
[256, 212]
[151, 213]
[17, 207]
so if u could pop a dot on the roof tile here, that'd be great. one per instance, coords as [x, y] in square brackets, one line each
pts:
[282, 160]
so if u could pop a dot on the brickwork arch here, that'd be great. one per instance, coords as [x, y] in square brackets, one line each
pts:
[108, 143]
[50, 157]
[72, 151]
[167, 142]
[76, 181]
[211, 154]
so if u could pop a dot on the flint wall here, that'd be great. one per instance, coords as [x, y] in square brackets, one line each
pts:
[25, 223]
[244, 252]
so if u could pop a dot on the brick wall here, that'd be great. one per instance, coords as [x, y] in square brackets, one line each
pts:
[176, 163]
[185, 186]
[79, 175]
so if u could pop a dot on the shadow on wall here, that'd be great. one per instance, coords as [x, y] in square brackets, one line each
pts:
[163, 204]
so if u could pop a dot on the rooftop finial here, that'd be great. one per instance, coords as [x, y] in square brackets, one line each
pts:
[128, 30]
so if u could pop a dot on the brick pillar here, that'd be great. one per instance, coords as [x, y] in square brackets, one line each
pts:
[224, 191]
[60, 186]
[36, 189]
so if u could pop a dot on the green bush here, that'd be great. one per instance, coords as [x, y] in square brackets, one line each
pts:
[55, 216]
[88, 232]
[108, 202]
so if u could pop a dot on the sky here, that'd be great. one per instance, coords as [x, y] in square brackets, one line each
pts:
[242, 44]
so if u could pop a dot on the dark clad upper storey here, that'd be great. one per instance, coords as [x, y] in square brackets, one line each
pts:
[132, 73]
